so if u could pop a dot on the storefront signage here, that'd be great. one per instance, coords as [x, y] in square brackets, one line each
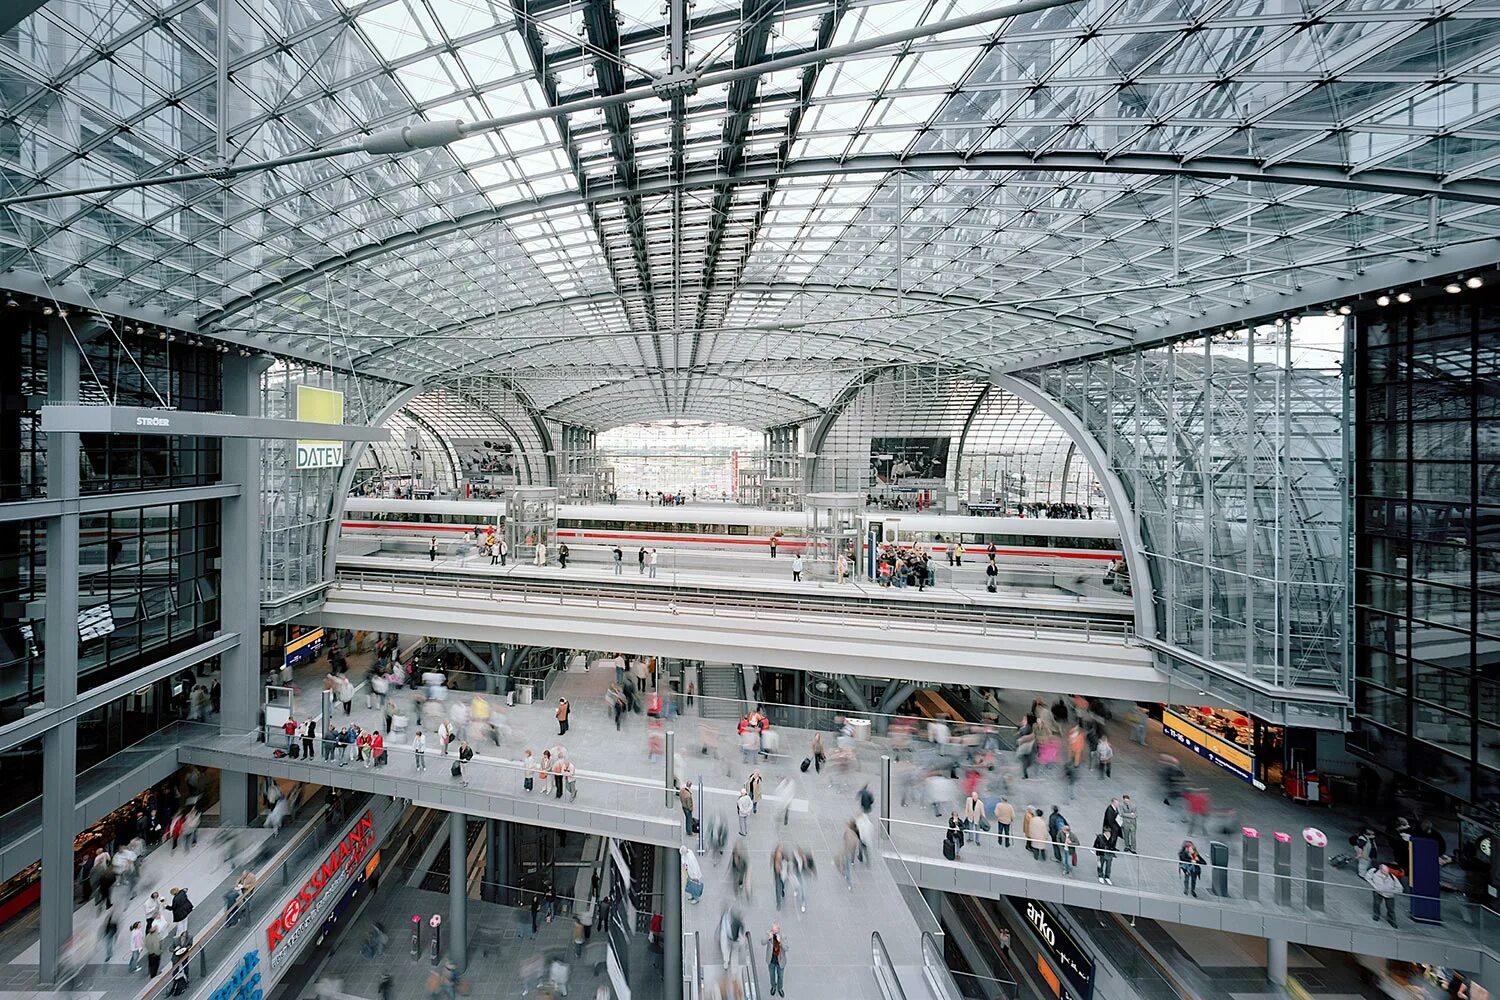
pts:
[244, 982]
[305, 647]
[1236, 760]
[320, 406]
[301, 910]
[1059, 945]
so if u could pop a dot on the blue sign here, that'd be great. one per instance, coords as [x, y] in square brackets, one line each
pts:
[244, 983]
[307, 646]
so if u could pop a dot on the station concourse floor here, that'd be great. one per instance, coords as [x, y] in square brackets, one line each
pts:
[203, 870]
[834, 934]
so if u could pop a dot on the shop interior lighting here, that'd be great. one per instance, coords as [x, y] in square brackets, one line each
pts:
[1345, 310]
[1474, 281]
[1403, 297]
[1453, 288]
[1383, 301]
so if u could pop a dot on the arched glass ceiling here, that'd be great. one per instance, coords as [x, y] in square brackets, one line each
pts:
[1070, 177]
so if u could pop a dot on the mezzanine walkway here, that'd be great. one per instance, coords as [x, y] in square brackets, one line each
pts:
[621, 794]
[953, 640]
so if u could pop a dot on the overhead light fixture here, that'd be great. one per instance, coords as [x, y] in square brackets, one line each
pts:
[1403, 297]
[1474, 281]
[1331, 312]
[11, 303]
[1453, 288]
[1345, 310]
[1383, 301]
[47, 310]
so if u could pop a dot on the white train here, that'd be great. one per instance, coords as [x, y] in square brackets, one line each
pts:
[730, 527]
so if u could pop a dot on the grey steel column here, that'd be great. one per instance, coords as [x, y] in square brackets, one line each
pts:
[458, 890]
[497, 863]
[240, 583]
[60, 745]
[671, 921]
[1276, 961]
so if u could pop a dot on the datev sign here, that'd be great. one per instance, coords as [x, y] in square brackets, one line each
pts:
[1074, 962]
[304, 909]
[320, 406]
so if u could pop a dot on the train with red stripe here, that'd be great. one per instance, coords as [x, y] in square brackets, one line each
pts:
[730, 527]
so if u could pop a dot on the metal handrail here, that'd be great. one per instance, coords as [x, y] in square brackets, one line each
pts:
[692, 969]
[935, 970]
[884, 970]
[962, 617]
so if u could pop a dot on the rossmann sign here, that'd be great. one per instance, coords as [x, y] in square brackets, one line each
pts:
[302, 909]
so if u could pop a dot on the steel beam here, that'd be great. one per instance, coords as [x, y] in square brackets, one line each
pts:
[103, 503]
[1114, 490]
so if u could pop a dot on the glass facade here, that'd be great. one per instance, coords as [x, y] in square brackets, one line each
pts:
[1230, 449]
[1427, 556]
[148, 585]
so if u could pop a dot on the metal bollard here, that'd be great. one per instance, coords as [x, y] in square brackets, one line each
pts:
[1282, 881]
[1218, 866]
[1250, 853]
[1317, 845]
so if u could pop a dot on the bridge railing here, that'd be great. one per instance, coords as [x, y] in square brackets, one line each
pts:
[1334, 900]
[970, 617]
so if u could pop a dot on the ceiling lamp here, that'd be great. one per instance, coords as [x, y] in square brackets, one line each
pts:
[1383, 301]
[1345, 310]
[1474, 281]
[1403, 297]
[1453, 288]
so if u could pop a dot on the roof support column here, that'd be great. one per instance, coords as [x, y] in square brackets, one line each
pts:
[60, 744]
[240, 555]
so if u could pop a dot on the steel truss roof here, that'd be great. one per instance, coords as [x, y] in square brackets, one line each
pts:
[1065, 180]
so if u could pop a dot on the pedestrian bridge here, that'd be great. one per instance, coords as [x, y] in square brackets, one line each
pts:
[1045, 643]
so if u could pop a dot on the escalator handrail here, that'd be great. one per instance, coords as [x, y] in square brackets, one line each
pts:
[884, 970]
[935, 970]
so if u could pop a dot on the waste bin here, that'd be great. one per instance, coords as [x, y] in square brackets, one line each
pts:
[524, 693]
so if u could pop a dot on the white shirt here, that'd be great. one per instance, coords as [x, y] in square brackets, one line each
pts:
[690, 863]
[419, 743]
[744, 804]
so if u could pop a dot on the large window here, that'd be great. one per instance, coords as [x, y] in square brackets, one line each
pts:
[147, 584]
[1427, 558]
[678, 456]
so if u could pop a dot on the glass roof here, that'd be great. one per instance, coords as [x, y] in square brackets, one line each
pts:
[1066, 178]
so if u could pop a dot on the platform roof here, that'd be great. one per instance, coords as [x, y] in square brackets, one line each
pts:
[642, 237]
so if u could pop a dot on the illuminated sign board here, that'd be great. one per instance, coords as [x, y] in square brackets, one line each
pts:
[1236, 760]
[305, 907]
[1073, 962]
[320, 406]
[305, 647]
[244, 982]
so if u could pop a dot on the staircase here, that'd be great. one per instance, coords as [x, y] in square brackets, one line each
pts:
[720, 686]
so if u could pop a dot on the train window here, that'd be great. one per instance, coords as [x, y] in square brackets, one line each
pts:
[736, 529]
